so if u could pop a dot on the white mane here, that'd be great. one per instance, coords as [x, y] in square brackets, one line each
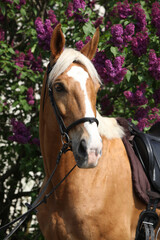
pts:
[67, 57]
[109, 127]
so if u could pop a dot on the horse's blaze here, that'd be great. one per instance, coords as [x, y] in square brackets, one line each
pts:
[93, 140]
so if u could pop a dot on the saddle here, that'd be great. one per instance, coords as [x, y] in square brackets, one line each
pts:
[143, 150]
[147, 149]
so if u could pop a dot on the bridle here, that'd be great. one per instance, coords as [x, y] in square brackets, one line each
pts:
[63, 129]
[66, 146]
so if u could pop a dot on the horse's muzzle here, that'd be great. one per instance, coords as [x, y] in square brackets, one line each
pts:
[87, 157]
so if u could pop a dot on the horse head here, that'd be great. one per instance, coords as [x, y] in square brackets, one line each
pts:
[74, 82]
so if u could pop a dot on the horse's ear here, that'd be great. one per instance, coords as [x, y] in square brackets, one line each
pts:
[90, 48]
[57, 42]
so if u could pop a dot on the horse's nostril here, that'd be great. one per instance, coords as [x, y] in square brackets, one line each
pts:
[82, 150]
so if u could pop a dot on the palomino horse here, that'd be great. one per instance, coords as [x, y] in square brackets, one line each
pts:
[96, 201]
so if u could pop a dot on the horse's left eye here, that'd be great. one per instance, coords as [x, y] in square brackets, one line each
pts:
[59, 87]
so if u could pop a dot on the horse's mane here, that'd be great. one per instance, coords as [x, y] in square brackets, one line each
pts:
[109, 127]
[68, 56]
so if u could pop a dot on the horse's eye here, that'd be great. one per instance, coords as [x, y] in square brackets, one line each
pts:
[59, 87]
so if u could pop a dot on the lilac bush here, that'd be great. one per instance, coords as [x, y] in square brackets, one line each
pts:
[127, 60]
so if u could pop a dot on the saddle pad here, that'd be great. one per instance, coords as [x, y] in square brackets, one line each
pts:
[141, 184]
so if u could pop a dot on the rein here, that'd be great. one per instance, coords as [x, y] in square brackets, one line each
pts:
[31, 207]
[65, 148]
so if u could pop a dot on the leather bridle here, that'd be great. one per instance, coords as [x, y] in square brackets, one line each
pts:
[63, 129]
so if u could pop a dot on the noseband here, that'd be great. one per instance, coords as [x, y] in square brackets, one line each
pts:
[63, 129]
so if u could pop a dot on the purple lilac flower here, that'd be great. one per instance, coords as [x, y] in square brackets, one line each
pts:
[123, 9]
[106, 106]
[98, 22]
[21, 2]
[140, 43]
[129, 32]
[44, 32]
[79, 45]
[52, 18]
[114, 72]
[117, 35]
[48, 32]
[154, 65]
[69, 10]
[138, 98]
[80, 18]
[99, 63]
[108, 25]
[21, 133]
[155, 110]
[108, 71]
[155, 115]
[91, 3]
[36, 141]
[140, 16]
[143, 123]
[30, 97]
[88, 38]
[19, 59]
[31, 62]
[156, 96]
[121, 37]
[141, 113]
[156, 16]
[78, 4]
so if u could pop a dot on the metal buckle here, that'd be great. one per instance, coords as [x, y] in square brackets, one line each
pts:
[65, 139]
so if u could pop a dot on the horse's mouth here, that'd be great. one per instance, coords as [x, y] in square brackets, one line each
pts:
[90, 160]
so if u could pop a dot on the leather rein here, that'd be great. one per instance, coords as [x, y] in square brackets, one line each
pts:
[66, 146]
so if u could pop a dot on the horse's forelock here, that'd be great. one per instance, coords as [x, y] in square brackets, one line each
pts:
[69, 56]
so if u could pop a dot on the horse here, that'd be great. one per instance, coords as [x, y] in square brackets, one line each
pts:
[96, 201]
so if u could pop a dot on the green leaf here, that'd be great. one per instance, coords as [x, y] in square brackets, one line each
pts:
[23, 75]
[22, 88]
[17, 1]
[88, 29]
[114, 50]
[23, 12]
[1, 108]
[15, 104]
[3, 8]
[11, 50]
[7, 69]
[128, 75]
[25, 105]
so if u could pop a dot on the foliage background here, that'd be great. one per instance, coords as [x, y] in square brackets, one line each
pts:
[128, 61]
